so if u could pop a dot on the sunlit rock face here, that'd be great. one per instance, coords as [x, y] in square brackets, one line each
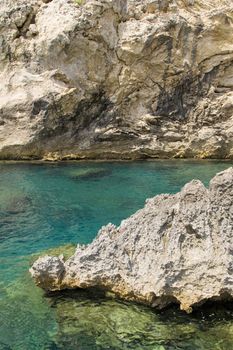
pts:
[116, 79]
[178, 248]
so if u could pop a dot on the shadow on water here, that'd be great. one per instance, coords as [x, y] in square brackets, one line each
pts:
[88, 320]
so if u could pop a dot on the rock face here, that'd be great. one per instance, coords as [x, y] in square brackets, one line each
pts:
[116, 79]
[178, 248]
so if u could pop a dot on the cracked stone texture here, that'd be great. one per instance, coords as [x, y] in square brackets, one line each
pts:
[178, 248]
[116, 79]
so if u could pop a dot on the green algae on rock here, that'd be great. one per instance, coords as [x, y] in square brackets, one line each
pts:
[66, 250]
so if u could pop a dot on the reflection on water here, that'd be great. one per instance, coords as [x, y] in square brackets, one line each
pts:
[46, 206]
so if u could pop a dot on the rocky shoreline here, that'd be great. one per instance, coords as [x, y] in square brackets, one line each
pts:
[116, 79]
[177, 249]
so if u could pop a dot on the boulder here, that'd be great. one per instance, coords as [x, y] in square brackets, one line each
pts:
[177, 249]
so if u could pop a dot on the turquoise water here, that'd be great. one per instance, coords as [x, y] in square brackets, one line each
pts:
[47, 205]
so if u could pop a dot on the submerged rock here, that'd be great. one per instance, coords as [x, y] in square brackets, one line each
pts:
[89, 173]
[13, 200]
[87, 322]
[178, 248]
[18, 205]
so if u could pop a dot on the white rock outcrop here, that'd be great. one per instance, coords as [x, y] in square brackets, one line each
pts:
[178, 248]
[116, 79]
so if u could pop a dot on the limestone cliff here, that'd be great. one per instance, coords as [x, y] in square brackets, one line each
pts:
[116, 78]
[178, 248]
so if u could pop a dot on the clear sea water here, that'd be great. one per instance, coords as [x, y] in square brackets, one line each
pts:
[44, 206]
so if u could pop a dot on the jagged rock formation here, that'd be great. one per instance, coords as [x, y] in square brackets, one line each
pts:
[116, 79]
[178, 248]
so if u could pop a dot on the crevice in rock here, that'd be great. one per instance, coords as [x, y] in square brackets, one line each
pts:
[24, 28]
[87, 114]
[175, 104]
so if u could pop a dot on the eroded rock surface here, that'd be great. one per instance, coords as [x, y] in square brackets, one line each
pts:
[178, 248]
[116, 79]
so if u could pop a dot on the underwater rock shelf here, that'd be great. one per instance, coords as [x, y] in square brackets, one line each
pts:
[178, 248]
